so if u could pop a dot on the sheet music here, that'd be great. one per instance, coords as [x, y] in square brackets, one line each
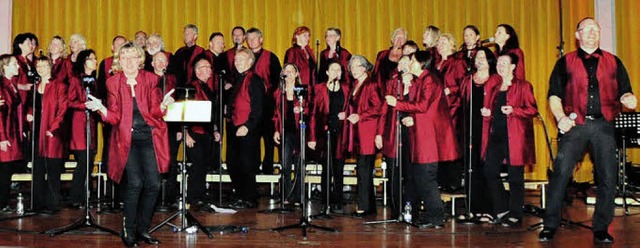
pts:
[189, 111]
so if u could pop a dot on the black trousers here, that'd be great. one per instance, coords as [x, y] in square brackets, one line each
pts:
[47, 190]
[6, 171]
[201, 155]
[497, 154]
[143, 184]
[336, 181]
[598, 136]
[78, 189]
[366, 191]
[289, 161]
[426, 181]
[243, 156]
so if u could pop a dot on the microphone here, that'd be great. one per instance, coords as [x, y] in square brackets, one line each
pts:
[573, 116]
[41, 53]
[236, 44]
[88, 81]
[489, 40]
[164, 71]
[317, 42]
[283, 76]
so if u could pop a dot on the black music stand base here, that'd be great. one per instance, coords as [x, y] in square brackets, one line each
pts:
[304, 225]
[85, 222]
[186, 217]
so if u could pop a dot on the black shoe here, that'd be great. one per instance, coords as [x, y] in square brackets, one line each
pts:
[337, 208]
[511, 222]
[602, 237]
[244, 204]
[128, 241]
[427, 225]
[75, 205]
[146, 237]
[363, 214]
[546, 234]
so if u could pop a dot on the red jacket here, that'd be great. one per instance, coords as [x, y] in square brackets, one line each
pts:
[432, 136]
[519, 123]
[54, 108]
[367, 103]
[201, 95]
[188, 64]
[120, 115]
[10, 121]
[60, 69]
[387, 121]
[318, 122]
[453, 71]
[277, 114]
[304, 59]
[77, 98]
[342, 58]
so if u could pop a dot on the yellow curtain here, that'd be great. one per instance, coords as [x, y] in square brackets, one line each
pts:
[366, 27]
[627, 38]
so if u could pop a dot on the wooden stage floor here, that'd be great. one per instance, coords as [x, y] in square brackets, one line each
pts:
[352, 232]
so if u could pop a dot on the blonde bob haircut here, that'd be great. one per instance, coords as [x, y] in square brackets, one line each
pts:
[128, 47]
[451, 40]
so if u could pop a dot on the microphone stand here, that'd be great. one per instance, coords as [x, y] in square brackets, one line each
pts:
[220, 128]
[305, 221]
[398, 164]
[560, 46]
[468, 218]
[283, 209]
[326, 213]
[88, 220]
[163, 204]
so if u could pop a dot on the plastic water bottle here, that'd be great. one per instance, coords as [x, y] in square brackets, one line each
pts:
[407, 212]
[20, 205]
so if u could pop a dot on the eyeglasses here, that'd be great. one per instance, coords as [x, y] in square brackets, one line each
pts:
[589, 29]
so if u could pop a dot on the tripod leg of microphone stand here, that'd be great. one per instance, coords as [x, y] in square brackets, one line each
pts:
[535, 226]
[167, 221]
[194, 222]
[58, 231]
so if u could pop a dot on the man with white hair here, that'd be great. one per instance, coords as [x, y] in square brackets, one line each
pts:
[154, 45]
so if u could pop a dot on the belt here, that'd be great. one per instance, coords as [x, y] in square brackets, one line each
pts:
[142, 130]
[592, 117]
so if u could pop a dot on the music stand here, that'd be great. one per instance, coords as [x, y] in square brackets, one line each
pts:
[187, 111]
[305, 221]
[627, 127]
[88, 220]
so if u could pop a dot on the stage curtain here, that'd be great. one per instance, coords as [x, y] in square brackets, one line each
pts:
[627, 37]
[366, 26]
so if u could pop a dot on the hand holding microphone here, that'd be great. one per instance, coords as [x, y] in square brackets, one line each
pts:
[566, 123]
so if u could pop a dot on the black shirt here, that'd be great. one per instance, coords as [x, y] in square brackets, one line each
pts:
[139, 124]
[336, 102]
